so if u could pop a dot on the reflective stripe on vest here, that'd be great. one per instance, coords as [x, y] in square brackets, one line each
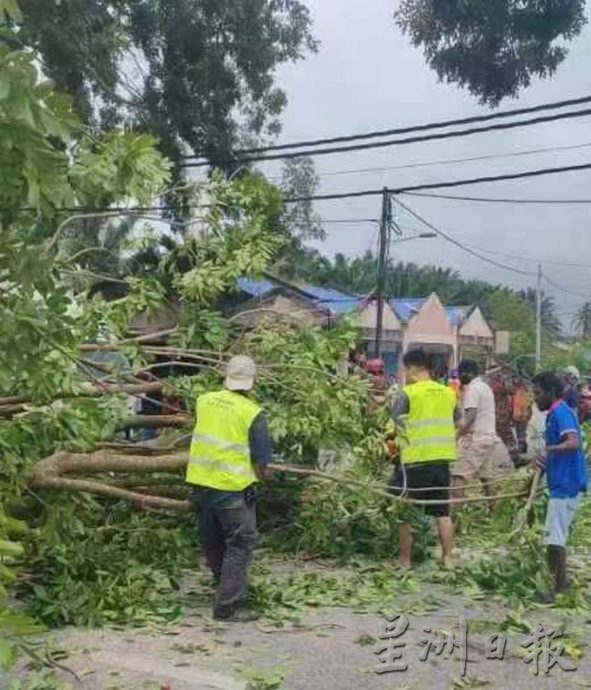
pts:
[429, 432]
[220, 454]
[212, 440]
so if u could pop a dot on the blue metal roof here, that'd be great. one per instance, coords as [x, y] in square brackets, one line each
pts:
[341, 306]
[325, 294]
[456, 315]
[256, 288]
[340, 303]
[406, 308]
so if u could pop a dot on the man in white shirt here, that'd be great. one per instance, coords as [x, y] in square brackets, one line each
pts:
[478, 443]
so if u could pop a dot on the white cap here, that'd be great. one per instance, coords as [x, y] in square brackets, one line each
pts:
[574, 372]
[240, 373]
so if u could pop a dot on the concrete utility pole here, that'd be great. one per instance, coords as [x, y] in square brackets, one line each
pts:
[385, 223]
[539, 319]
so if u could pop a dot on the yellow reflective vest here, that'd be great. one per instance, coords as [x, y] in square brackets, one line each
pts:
[220, 454]
[429, 432]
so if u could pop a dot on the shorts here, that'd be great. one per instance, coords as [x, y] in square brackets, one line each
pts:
[559, 517]
[479, 457]
[421, 475]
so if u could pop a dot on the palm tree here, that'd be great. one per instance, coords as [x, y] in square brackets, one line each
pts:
[550, 320]
[582, 321]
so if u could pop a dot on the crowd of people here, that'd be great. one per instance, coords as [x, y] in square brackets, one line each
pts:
[449, 438]
[452, 432]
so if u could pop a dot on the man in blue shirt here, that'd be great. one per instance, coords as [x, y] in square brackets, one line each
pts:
[566, 473]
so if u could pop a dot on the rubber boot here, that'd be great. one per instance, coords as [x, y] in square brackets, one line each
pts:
[561, 583]
[237, 615]
[557, 565]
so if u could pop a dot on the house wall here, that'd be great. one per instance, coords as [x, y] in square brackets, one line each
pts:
[476, 326]
[431, 329]
[366, 318]
[430, 326]
[256, 311]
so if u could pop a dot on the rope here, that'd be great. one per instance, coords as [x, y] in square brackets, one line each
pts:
[386, 494]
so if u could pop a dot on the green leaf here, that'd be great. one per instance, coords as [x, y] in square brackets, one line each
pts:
[7, 655]
[11, 9]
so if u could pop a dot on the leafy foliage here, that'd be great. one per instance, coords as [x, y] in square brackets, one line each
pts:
[88, 586]
[190, 72]
[582, 321]
[92, 561]
[299, 180]
[493, 48]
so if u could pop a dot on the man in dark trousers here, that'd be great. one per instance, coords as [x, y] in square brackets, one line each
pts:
[566, 474]
[424, 414]
[229, 454]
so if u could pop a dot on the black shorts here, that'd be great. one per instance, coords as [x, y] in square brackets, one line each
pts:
[434, 474]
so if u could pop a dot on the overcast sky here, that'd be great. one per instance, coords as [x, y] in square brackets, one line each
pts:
[367, 76]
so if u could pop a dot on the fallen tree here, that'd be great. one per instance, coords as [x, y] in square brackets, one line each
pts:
[55, 472]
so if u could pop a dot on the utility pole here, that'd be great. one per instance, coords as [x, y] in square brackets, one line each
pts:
[385, 221]
[539, 319]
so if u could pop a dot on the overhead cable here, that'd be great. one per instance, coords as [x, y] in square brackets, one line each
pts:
[450, 161]
[440, 185]
[566, 290]
[354, 194]
[416, 128]
[407, 140]
[459, 244]
[496, 200]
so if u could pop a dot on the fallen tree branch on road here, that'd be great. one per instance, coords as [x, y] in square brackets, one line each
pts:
[156, 421]
[15, 404]
[50, 474]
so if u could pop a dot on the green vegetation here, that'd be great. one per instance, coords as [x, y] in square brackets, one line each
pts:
[493, 49]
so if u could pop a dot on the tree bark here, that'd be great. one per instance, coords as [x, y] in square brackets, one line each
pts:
[17, 404]
[49, 474]
[156, 421]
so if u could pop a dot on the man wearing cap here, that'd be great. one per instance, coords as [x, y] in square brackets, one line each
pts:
[229, 454]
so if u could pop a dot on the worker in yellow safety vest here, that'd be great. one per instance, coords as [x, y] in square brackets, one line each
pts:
[425, 415]
[230, 451]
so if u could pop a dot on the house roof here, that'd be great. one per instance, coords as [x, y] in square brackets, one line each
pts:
[457, 315]
[405, 308]
[333, 300]
[255, 288]
[342, 306]
[338, 302]
[322, 294]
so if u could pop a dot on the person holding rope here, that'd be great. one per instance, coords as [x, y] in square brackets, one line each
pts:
[230, 453]
[424, 414]
[478, 443]
[566, 474]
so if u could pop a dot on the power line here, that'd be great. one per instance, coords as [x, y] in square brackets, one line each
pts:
[481, 199]
[470, 250]
[459, 244]
[408, 140]
[349, 220]
[439, 185]
[415, 128]
[449, 161]
[566, 290]
[123, 210]
[531, 259]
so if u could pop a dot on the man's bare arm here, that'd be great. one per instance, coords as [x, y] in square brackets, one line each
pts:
[570, 442]
[467, 421]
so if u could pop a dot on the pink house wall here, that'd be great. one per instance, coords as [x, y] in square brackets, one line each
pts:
[431, 326]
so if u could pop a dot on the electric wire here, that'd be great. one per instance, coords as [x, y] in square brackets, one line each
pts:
[408, 140]
[441, 185]
[449, 161]
[469, 250]
[496, 200]
[459, 244]
[415, 128]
